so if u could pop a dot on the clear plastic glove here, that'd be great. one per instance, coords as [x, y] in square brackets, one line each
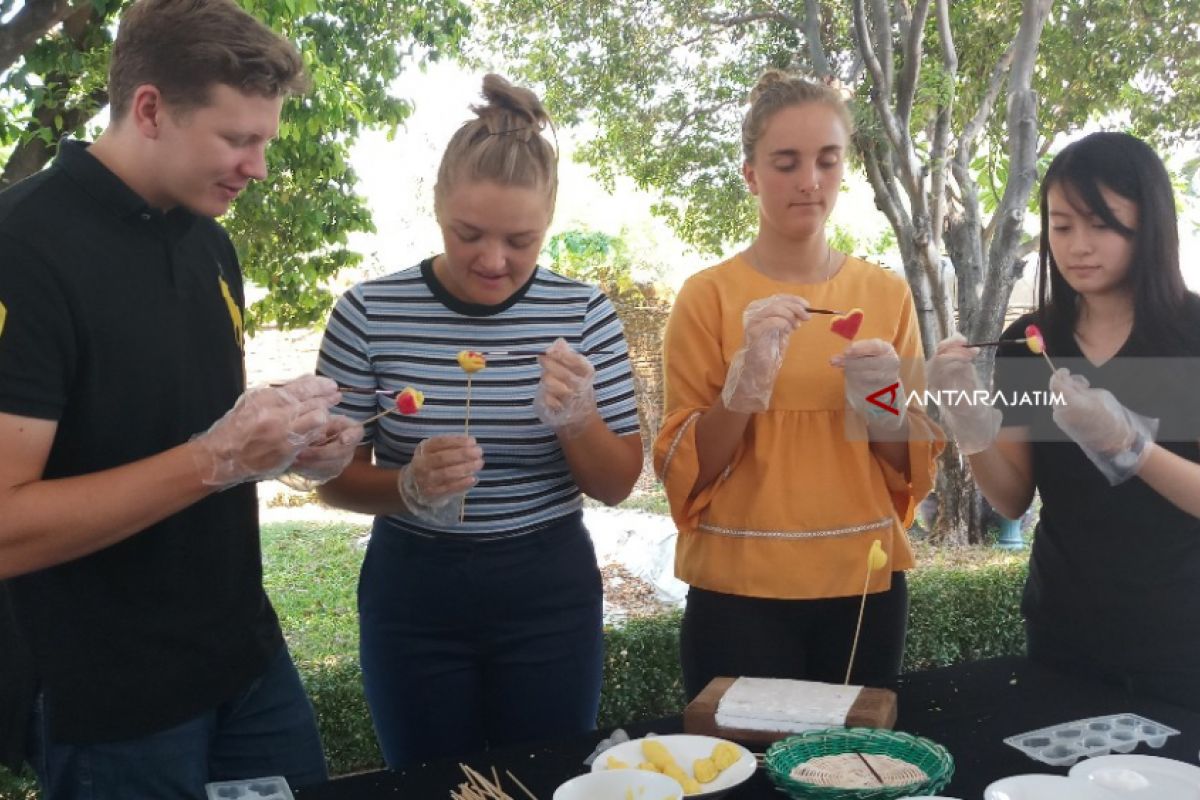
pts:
[442, 469]
[565, 397]
[768, 325]
[324, 459]
[871, 366]
[951, 373]
[619, 736]
[262, 434]
[1113, 438]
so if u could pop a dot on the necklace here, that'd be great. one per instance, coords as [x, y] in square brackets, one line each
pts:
[757, 263]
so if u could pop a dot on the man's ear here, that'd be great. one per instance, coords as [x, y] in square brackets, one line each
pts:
[751, 177]
[147, 110]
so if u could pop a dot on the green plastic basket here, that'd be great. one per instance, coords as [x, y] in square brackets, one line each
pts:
[783, 756]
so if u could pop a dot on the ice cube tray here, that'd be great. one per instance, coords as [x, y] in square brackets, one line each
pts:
[255, 789]
[1063, 744]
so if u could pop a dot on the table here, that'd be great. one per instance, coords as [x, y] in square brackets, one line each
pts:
[968, 708]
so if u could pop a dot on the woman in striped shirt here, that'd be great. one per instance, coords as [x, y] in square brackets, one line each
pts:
[480, 597]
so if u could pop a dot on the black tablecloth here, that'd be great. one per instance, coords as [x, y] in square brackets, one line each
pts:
[969, 708]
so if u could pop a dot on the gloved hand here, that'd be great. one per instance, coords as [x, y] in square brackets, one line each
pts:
[951, 373]
[1113, 438]
[325, 458]
[266, 429]
[442, 469]
[870, 365]
[565, 397]
[768, 325]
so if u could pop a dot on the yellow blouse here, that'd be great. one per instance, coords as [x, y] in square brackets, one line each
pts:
[794, 514]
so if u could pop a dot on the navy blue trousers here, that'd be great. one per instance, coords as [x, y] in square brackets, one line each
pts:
[267, 729]
[474, 644]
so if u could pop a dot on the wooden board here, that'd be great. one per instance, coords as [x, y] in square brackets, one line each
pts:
[874, 708]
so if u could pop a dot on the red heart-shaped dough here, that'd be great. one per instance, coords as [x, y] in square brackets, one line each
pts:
[848, 324]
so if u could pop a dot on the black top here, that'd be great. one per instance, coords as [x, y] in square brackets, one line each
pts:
[124, 325]
[1114, 571]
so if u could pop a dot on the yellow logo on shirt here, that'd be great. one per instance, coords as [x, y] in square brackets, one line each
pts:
[3, 316]
[235, 313]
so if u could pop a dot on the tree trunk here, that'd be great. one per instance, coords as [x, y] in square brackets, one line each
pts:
[960, 508]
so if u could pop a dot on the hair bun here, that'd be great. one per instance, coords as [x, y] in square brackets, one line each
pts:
[772, 77]
[510, 107]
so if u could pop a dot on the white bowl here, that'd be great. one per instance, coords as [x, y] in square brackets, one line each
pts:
[614, 785]
[1044, 787]
[686, 748]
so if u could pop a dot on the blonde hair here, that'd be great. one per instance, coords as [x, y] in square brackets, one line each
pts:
[184, 47]
[777, 90]
[503, 144]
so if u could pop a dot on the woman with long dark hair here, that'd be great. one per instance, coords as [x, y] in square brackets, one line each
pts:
[1113, 448]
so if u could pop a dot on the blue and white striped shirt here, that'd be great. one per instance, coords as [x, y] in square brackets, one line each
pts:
[405, 329]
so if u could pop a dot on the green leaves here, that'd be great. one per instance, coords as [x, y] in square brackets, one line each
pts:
[292, 230]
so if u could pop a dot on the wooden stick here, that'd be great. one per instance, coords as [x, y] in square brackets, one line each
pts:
[517, 781]
[868, 763]
[351, 389]
[1048, 361]
[995, 343]
[462, 509]
[823, 311]
[858, 627]
[491, 353]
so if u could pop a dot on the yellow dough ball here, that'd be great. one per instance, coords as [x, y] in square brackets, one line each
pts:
[725, 755]
[658, 755]
[615, 763]
[676, 772]
[646, 765]
[705, 770]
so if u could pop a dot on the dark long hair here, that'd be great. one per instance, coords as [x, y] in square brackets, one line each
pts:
[1127, 166]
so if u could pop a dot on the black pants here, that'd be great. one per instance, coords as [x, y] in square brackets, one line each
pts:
[735, 636]
[469, 644]
[1172, 679]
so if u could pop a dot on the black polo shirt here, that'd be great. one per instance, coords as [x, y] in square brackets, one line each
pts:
[1114, 573]
[124, 325]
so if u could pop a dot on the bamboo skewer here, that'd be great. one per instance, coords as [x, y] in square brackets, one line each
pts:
[478, 787]
[876, 559]
[868, 764]
[462, 509]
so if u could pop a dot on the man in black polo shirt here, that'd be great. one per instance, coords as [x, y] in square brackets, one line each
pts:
[128, 518]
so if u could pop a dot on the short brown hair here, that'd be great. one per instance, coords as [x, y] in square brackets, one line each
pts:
[777, 90]
[183, 47]
[504, 143]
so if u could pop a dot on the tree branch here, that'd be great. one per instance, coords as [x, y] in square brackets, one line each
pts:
[32, 153]
[812, 34]
[966, 142]
[939, 159]
[882, 19]
[1022, 160]
[881, 92]
[31, 23]
[911, 72]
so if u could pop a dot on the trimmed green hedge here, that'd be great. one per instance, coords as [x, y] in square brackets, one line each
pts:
[956, 614]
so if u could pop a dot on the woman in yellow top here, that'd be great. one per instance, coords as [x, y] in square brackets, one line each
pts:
[779, 471]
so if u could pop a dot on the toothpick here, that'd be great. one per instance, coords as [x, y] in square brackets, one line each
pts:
[858, 626]
[462, 509]
[876, 559]
[517, 781]
[868, 763]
